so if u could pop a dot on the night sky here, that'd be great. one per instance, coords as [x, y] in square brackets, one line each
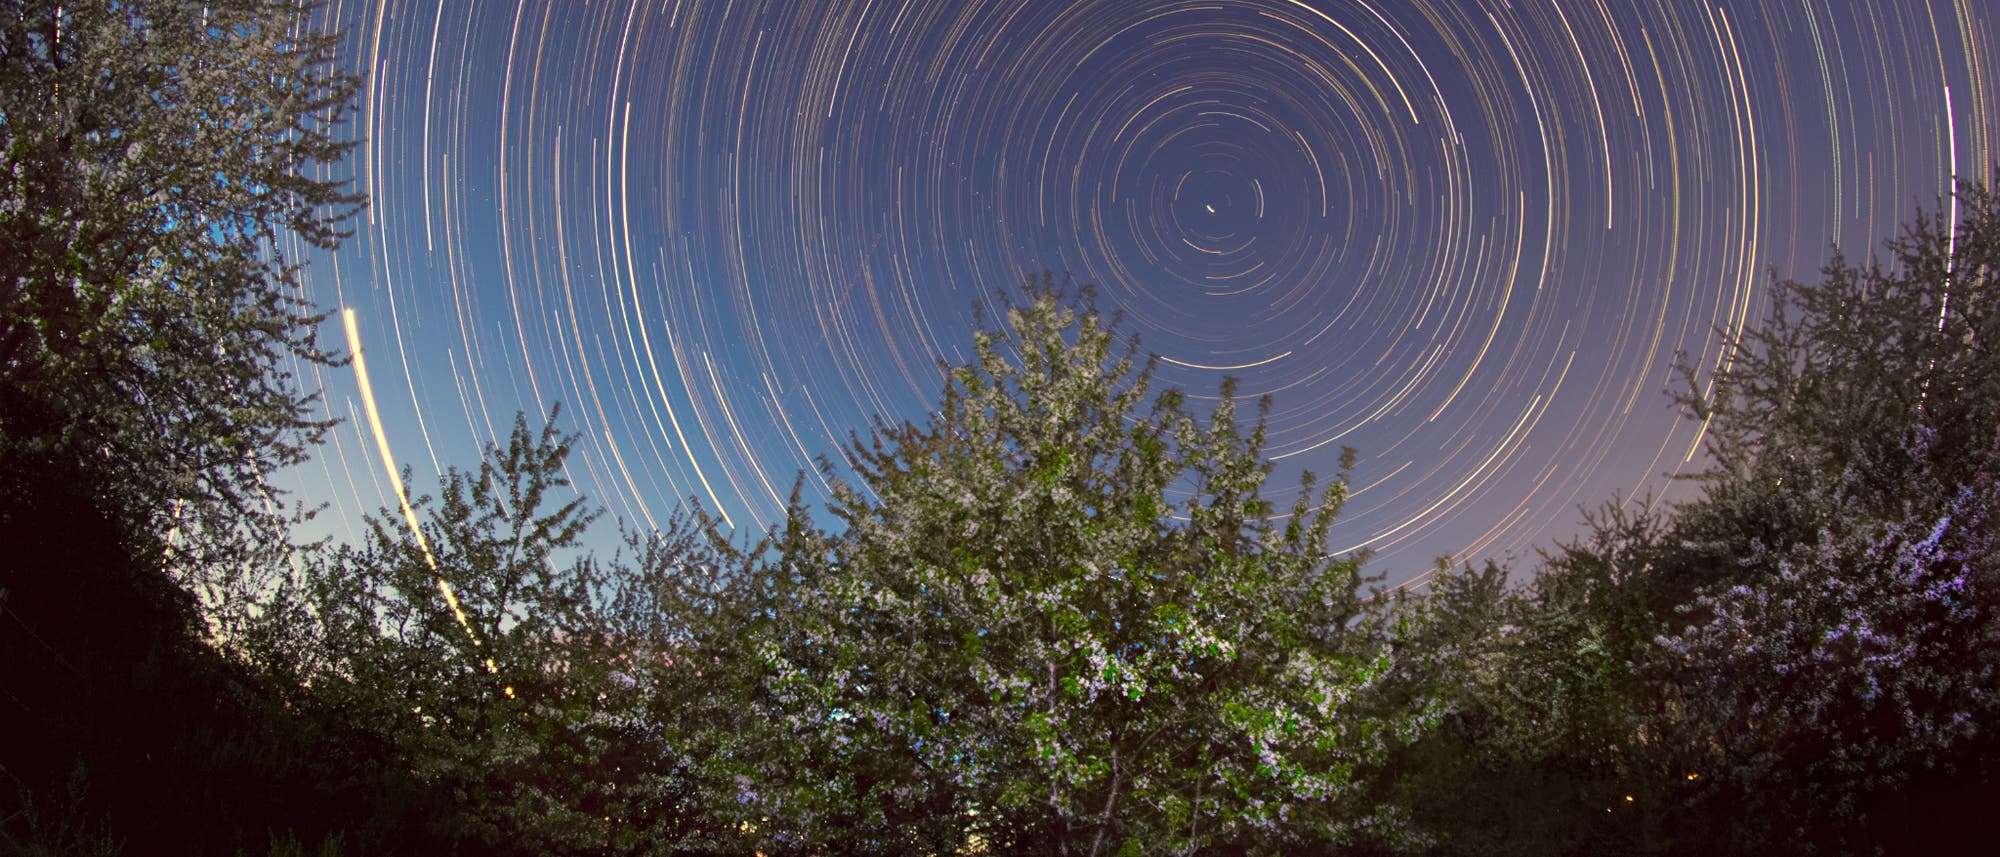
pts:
[1466, 238]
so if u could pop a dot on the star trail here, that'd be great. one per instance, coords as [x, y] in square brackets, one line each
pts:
[1466, 238]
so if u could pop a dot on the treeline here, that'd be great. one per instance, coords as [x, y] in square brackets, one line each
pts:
[1059, 615]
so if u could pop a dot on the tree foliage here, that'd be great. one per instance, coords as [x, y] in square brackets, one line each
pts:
[1838, 659]
[1800, 660]
[158, 159]
[489, 666]
[1062, 617]
[162, 158]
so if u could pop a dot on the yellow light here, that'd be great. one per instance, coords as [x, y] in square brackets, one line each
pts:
[1693, 776]
[396, 480]
[1628, 798]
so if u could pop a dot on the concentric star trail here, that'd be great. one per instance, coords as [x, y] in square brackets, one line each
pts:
[1466, 238]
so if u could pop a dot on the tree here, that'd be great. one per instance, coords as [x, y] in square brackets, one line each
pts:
[1851, 691]
[158, 161]
[489, 665]
[1540, 744]
[1801, 658]
[1060, 619]
[1837, 653]
[1814, 416]
[162, 157]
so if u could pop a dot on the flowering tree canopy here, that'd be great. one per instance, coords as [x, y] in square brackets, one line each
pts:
[1062, 617]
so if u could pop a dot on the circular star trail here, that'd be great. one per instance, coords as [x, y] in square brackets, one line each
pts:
[1467, 239]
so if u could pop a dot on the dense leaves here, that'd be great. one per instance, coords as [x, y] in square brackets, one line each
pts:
[1801, 660]
[1838, 659]
[1059, 617]
[509, 703]
[156, 159]
[160, 164]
